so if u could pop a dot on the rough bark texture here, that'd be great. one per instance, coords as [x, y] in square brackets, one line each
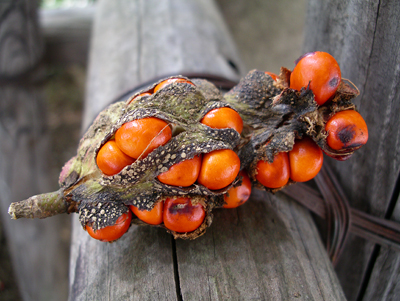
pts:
[39, 256]
[268, 249]
[364, 36]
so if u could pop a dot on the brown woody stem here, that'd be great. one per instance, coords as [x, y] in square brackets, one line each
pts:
[39, 206]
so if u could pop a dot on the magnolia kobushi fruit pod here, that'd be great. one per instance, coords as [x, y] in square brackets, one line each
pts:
[113, 173]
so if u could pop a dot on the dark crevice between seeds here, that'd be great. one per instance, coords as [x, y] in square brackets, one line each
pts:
[176, 130]
[176, 270]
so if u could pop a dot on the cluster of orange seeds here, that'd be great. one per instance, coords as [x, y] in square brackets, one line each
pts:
[178, 214]
[217, 169]
[345, 129]
[301, 164]
[136, 139]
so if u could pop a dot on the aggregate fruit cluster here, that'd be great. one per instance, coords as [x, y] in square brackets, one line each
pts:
[172, 153]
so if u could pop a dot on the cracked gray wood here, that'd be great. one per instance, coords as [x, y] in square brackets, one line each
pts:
[364, 36]
[269, 248]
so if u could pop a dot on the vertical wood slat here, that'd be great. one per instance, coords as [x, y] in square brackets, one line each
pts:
[385, 275]
[39, 257]
[364, 36]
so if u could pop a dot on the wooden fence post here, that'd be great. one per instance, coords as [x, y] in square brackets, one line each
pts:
[364, 36]
[268, 249]
[38, 255]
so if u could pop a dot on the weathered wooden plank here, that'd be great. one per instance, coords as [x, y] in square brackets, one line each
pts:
[364, 37]
[139, 266]
[268, 249]
[384, 283]
[38, 254]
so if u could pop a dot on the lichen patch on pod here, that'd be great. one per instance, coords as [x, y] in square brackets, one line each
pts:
[100, 215]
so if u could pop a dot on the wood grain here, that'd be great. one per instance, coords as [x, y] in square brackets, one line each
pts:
[139, 266]
[384, 281]
[364, 37]
[38, 254]
[268, 249]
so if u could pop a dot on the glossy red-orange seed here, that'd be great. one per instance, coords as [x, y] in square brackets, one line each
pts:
[111, 160]
[321, 71]
[275, 174]
[180, 215]
[140, 137]
[170, 81]
[237, 196]
[183, 174]
[346, 129]
[151, 217]
[114, 232]
[305, 160]
[222, 118]
[219, 168]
